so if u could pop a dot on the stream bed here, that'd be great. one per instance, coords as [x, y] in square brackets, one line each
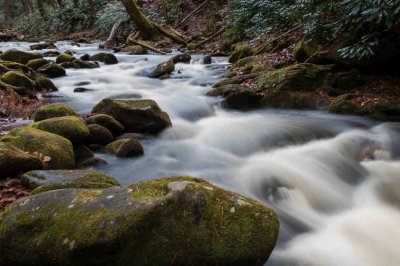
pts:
[334, 180]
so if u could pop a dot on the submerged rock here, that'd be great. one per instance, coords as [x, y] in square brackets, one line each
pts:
[54, 110]
[18, 56]
[125, 148]
[57, 150]
[143, 116]
[41, 181]
[70, 127]
[179, 220]
[162, 69]
[14, 161]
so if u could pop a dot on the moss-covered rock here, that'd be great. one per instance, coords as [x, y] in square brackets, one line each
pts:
[54, 110]
[82, 153]
[240, 52]
[182, 220]
[162, 69]
[14, 161]
[41, 46]
[70, 127]
[181, 58]
[18, 56]
[107, 58]
[58, 149]
[99, 135]
[37, 63]
[45, 84]
[52, 70]
[108, 122]
[143, 116]
[62, 58]
[134, 50]
[41, 181]
[290, 100]
[237, 96]
[18, 79]
[125, 148]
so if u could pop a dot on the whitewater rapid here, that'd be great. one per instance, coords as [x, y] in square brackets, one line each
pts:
[333, 180]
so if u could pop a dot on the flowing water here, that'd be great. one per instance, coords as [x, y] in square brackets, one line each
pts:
[333, 180]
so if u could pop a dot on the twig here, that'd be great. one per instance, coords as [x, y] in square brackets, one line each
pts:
[191, 13]
[275, 39]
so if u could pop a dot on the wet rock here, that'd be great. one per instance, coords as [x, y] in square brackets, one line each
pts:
[81, 89]
[207, 60]
[178, 219]
[70, 127]
[181, 58]
[37, 63]
[134, 50]
[99, 135]
[45, 84]
[56, 151]
[41, 181]
[78, 64]
[14, 161]
[85, 57]
[52, 70]
[82, 153]
[18, 79]
[125, 148]
[143, 116]
[42, 46]
[126, 96]
[132, 136]
[69, 52]
[108, 59]
[106, 121]
[51, 53]
[162, 69]
[18, 56]
[237, 96]
[92, 162]
[83, 83]
[62, 58]
[54, 110]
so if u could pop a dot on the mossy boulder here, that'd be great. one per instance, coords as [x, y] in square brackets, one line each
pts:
[44, 83]
[134, 50]
[300, 77]
[162, 69]
[18, 79]
[236, 96]
[58, 149]
[143, 116]
[37, 63]
[99, 135]
[54, 110]
[125, 148]
[52, 70]
[108, 122]
[181, 58]
[82, 153]
[18, 56]
[291, 100]
[41, 46]
[240, 52]
[107, 58]
[182, 220]
[14, 161]
[62, 58]
[41, 181]
[70, 127]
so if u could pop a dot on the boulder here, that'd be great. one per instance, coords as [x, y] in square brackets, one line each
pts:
[236, 96]
[52, 70]
[143, 116]
[108, 59]
[14, 161]
[179, 220]
[181, 58]
[125, 148]
[82, 153]
[81, 89]
[37, 63]
[70, 127]
[41, 181]
[45, 84]
[108, 122]
[41, 46]
[54, 110]
[78, 63]
[134, 50]
[64, 58]
[51, 54]
[18, 79]
[99, 135]
[18, 56]
[162, 69]
[56, 150]
[207, 60]
[85, 57]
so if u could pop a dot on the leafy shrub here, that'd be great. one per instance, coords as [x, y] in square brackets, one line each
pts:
[108, 16]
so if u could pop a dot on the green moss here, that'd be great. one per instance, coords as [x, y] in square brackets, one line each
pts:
[108, 122]
[290, 100]
[241, 51]
[19, 56]
[261, 68]
[18, 79]
[70, 127]
[125, 148]
[54, 110]
[45, 84]
[62, 58]
[37, 63]
[32, 140]
[247, 60]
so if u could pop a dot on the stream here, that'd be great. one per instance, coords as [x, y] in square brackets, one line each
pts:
[334, 180]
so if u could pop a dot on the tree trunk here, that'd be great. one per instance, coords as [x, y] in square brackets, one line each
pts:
[149, 32]
[6, 12]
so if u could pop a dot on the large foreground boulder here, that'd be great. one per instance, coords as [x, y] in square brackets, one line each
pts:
[18, 56]
[143, 116]
[18, 79]
[41, 181]
[57, 150]
[178, 220]
[14, 161]
[54, 110]
[70, 127]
